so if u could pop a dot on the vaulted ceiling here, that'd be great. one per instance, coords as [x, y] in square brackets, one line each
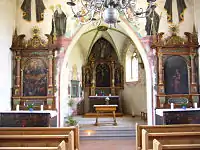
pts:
[116, 36]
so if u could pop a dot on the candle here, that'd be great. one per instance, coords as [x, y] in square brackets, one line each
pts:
[41, 107]
[17, 107]
[172, 105]
[195, 105]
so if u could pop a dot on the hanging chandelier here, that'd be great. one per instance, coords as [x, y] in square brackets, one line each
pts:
[87, 11]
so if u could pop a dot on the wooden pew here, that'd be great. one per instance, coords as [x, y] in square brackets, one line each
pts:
[61, 146]
[164, 129]
[37, 140]
[169, 138]
[43, 131]
[158, 146]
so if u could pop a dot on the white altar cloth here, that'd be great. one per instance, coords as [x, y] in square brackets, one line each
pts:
[160, 111]
[52, 113]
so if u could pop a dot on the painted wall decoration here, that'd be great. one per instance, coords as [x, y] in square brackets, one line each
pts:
[181, 6]
[26, 8]
[59, 21]
[152, 22]
[176, 76]
[35, 78]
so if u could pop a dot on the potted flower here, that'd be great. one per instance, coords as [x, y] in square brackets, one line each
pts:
[30, 107]
[70, 121]
[184, 105]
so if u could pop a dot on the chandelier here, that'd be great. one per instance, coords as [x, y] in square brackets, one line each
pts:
[108, 10]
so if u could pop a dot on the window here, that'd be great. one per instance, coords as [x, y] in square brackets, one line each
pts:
[131, 67]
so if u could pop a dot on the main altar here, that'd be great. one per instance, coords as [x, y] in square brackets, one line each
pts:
[103, 76]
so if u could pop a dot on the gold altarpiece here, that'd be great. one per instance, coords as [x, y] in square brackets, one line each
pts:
[33, 65]
[103, 75]
[177, 70]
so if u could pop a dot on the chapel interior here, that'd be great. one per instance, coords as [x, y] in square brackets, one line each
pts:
[77, 80]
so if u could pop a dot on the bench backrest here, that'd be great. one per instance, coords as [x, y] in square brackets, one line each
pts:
[38, 140]
[170, 138]
[158, 146]
[43, 131]
[61, 146]
[164, 129]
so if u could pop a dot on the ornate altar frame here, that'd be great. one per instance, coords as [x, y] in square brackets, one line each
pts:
[176, 46]
[90, 71]
[23, 51]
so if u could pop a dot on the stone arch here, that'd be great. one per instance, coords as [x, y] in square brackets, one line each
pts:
[143, 53]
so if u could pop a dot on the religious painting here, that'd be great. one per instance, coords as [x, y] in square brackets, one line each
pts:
[176, 75]
[35, 78]
[102, 75]
[102, 50]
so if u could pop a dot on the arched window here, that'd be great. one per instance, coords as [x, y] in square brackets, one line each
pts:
[131, 67]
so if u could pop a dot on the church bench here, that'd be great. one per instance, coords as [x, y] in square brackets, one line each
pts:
[43, 131]
[164, 129]
[158, 146]
[37, 140]
[61, 146]
[168, 138]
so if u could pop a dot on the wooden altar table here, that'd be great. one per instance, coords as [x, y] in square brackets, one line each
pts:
[26, 118]
[103, 109]
[178, 116]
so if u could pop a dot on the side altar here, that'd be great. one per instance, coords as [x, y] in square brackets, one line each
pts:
[177, 78]
[26, 118]
[177, 116]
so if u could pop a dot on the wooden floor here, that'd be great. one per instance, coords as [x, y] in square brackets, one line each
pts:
[107, 144]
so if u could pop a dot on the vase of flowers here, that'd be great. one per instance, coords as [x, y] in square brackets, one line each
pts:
[184, 105]
[30, 107]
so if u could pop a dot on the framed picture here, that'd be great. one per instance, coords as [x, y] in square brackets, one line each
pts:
[176, 75]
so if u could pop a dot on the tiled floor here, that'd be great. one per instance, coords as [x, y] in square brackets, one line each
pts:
[124, 144]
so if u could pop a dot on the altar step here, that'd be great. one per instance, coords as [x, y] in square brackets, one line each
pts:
[103, 133]
[92, 115]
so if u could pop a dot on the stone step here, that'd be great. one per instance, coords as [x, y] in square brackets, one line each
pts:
[107, 133]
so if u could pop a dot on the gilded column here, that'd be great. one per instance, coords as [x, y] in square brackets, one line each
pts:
[193, 70]
[50, 57]
[18, 66]
[50, 74]
[113, 78]
[160, 69]
[113, 73]
[93, 79]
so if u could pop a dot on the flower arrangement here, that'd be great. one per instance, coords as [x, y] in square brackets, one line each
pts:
[184, 105]
[70, 121]
[107, 100]
[30, 106]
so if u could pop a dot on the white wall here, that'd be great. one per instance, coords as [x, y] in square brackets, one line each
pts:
[76, 58]
[134, 95]
[7, 17]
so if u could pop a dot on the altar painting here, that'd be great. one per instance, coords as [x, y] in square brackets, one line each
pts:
[35, 78]
[176, 75]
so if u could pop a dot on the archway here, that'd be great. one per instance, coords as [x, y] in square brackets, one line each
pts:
[143, 54]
